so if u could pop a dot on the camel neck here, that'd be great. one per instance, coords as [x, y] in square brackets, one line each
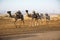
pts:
[27, 12]
[10, 14]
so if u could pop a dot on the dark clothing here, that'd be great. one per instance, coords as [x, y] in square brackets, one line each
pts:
[48, 17]
[19, 15]
[34, 16]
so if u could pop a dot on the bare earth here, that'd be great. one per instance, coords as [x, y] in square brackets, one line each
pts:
[51, 35]
[29, 31]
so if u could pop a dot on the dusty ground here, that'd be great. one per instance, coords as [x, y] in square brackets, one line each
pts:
[49, 35]
[8, 28]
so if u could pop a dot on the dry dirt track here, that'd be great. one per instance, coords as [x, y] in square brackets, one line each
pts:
[50, 35]
[8, 31]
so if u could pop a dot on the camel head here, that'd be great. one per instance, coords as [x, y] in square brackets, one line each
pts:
[41, 14]
[46, 14]
[9, 12]
[34, 12]
[26, 11]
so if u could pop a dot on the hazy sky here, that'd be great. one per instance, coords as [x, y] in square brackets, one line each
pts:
[50, 6]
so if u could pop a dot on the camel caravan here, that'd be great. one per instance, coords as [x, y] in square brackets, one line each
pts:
[34, 16]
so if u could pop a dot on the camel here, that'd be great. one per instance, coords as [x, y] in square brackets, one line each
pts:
[38, 16]
[47, 18]
[18, 16]
[29, 15]
[35, 16]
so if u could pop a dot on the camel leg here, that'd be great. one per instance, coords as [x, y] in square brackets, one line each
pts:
[47, 22]
[32, 23]
[40, 22]
[37, 23]
[15, 22]
[22, 22]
